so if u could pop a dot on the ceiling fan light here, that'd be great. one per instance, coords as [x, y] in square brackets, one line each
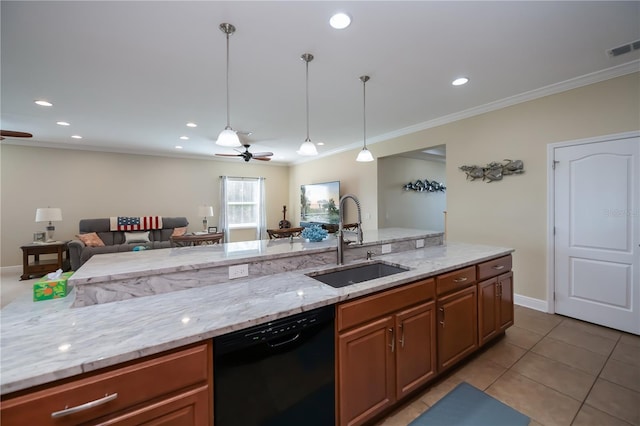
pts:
[364, 156]
[307, 148]
[228, 137]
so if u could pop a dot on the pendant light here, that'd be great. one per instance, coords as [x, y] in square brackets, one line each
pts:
[365, 155]
[228, 137]
[307, 148]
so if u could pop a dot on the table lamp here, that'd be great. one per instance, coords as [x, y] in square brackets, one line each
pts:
[49, 214]
[205, 212]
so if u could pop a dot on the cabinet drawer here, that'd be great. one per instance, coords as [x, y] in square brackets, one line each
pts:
[494, 267]
[134, 384]
[361, 310]
[455, 280]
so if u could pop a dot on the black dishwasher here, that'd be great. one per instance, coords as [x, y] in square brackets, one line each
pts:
[277, 374]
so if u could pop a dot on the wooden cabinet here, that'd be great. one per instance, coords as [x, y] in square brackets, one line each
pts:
[495, 306]
[457, 327]
[495, 298]
[386, 349]
[169, 389]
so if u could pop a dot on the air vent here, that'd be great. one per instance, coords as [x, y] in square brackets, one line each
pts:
[621, 50]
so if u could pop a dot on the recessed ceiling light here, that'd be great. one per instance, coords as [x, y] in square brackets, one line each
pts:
[62, 123]
[43, 103]
[340, 21]
[320, 143]
[191, 124]
[460, 81]
[76, 137]
[178, 146]
[184, 138]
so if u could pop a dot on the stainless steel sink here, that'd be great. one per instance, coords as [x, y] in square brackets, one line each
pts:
[357, 273]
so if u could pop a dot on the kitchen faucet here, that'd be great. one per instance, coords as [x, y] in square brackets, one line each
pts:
[341, 225]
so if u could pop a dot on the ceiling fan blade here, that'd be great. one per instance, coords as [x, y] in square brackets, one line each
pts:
[262, 154]
[230, 155]
[261, 158]
[13, 134]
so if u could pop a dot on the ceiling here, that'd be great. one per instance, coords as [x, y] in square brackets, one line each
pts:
[129, 75]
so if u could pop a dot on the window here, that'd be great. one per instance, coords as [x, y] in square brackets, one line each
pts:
[243, 202]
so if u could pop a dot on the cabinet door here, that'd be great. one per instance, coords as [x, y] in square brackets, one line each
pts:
[365, 371]
[505, 288]
[415, 347]
[488, 310]
[189, 409]
[457, 327]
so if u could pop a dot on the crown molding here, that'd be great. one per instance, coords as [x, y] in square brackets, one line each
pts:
[552, 89]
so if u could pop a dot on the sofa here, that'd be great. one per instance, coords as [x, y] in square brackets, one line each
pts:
[92, 230]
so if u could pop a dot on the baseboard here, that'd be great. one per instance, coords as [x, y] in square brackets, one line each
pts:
[11, 269]
[531, 303]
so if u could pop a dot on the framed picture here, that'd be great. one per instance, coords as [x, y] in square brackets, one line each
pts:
[213, 229]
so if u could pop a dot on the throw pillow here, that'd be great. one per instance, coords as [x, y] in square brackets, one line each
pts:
[91, 239]
[178, 232]
[136, 237]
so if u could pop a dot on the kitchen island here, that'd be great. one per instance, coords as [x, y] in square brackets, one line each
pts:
[46, 341]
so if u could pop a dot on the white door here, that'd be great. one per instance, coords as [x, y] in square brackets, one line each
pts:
[597, 232]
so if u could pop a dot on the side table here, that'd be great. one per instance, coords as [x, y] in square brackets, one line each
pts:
[41, 267]
[197, 239]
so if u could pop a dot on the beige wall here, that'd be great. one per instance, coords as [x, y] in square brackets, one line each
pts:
[508, 213]
[410, 209]
[512, 212]
[89, 184]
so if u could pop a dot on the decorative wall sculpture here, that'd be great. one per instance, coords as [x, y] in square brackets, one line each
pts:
[494, 171]
[424, 186]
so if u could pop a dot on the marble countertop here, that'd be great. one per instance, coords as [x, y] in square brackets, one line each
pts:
[114, 266]
[45, 341]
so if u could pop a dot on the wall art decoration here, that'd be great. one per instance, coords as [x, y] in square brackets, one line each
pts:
[494, 170]
[424, 186]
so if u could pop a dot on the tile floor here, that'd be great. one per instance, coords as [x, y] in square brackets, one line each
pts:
[556, 370]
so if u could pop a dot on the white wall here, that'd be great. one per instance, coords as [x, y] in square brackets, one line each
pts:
[410, 209]
[88, 184]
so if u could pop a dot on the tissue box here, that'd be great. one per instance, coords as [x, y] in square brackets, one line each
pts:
[45, 289]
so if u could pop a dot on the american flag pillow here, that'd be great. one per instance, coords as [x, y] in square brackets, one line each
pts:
[134, 223]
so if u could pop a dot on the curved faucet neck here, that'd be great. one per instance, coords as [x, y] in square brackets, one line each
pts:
[341, 224]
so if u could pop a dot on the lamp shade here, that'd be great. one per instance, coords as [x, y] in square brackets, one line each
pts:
[364, 156]
[48, 214]
[205, 211]
[228, 137]
[308, 148]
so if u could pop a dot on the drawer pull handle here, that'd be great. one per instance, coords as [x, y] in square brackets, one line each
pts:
[498, 267]
[460, 280]
[85, 406]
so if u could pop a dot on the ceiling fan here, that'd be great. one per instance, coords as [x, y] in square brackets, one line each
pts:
[14, 134]
[246, 155]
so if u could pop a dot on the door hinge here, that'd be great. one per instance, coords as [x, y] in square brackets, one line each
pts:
[553, 164]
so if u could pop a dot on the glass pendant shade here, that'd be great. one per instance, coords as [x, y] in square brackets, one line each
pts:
[308, 148]
[364, 156]
[228, 137]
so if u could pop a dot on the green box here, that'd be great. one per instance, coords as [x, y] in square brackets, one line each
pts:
[45, 289]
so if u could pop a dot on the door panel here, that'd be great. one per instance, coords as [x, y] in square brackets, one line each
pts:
[596, 200]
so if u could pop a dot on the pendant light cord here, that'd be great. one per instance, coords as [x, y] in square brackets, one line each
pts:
[364, 111]
[228, 121]
[307, 140]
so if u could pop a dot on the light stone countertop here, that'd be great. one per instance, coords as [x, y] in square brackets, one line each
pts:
[45, 341]
[125, 265]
